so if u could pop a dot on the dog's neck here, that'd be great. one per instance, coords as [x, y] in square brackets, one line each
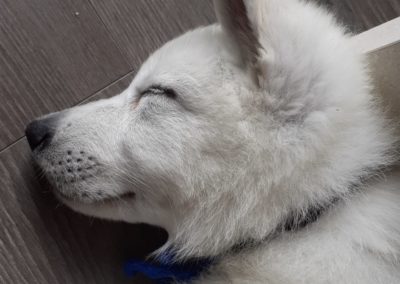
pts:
[293, 223]
[166, 268]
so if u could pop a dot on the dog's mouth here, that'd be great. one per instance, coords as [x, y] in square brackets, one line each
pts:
[120, 197]
[95, 198]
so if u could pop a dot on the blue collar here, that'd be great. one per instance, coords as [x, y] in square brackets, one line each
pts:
[165, 270]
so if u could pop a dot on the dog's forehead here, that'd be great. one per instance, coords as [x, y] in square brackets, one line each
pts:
[190, 58]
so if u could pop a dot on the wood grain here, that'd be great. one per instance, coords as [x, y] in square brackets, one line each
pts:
[141, 26]
[43, 242]
[361, 15]
[54, 53]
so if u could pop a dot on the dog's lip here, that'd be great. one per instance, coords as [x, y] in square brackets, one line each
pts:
[126, 195]
[120, 197]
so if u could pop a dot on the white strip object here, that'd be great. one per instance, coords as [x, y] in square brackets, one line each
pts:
[378, 37]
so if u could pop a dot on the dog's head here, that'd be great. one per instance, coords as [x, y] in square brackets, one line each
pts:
[224, 131]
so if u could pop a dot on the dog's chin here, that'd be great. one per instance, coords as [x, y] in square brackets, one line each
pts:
[108, 208]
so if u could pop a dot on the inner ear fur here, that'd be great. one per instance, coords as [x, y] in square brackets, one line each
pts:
[240, 19]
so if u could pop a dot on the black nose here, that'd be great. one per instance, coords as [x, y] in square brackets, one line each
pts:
[41, 131]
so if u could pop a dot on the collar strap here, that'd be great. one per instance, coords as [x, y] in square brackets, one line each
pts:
[165, 270]
[296, 221]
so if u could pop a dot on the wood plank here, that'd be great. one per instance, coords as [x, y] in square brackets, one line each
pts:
[43, 242]
[372, 13]
[141, 26]
[54, 53]
[361, 15]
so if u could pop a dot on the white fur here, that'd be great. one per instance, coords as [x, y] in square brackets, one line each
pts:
[263, 127]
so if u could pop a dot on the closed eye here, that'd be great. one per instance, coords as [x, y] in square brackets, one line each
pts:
[159, 90]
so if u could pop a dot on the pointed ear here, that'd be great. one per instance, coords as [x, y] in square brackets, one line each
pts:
[243, 21]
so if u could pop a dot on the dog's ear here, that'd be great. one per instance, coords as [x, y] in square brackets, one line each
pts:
[243, 21]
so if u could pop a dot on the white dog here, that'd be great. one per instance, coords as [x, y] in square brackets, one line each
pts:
[260, 130]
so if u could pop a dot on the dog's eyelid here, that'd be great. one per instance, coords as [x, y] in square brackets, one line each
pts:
[159, 90]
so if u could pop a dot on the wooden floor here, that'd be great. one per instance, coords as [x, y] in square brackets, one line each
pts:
[55, 54]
